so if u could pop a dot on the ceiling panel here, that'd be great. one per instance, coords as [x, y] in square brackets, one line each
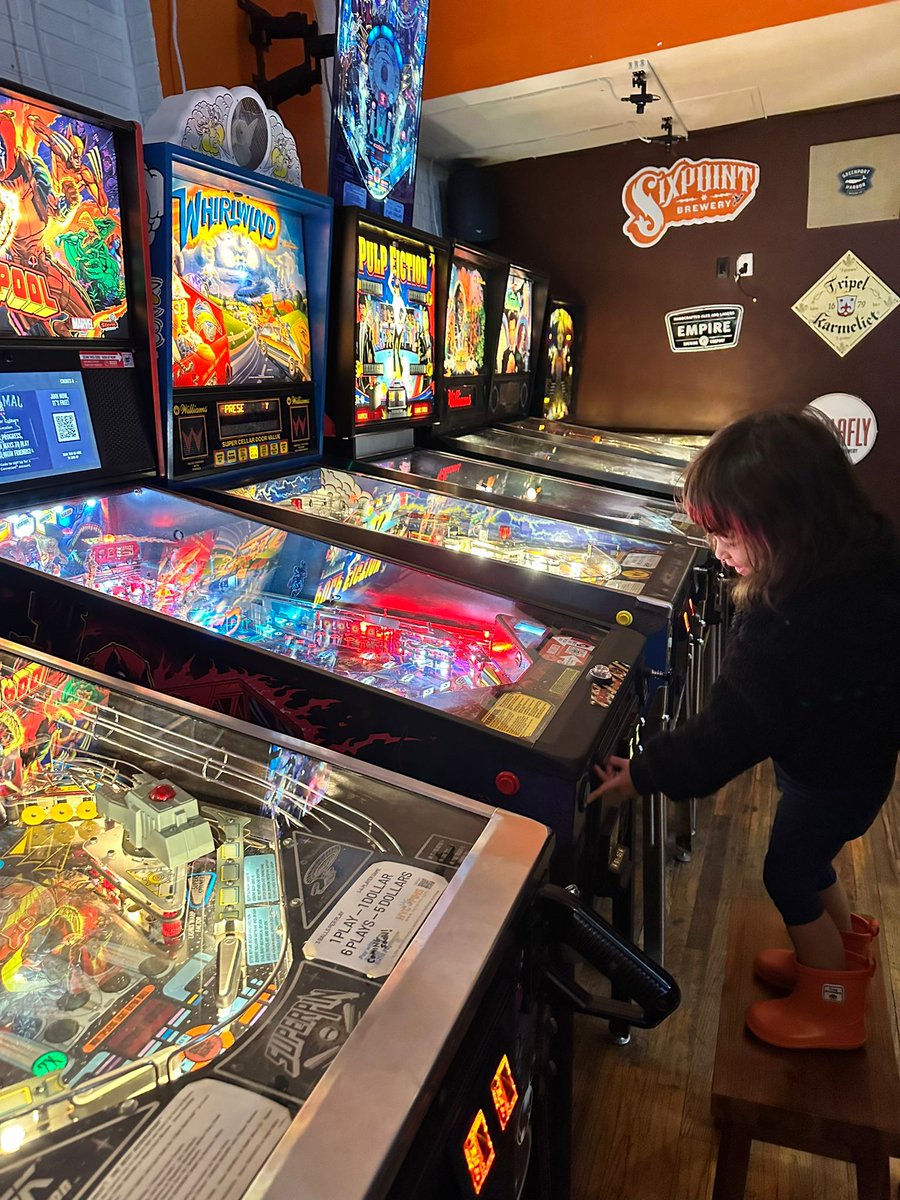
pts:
[834, 60]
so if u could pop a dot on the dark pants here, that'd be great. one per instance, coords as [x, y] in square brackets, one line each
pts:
[810, 827]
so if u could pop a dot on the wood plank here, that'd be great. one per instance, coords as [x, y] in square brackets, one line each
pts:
[643, 1127]
[812, 1100]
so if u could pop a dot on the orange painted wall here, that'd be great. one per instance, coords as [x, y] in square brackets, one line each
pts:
[215, 50]
[481, 43]
[471, 44]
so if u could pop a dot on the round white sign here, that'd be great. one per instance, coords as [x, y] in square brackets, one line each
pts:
[853, 419]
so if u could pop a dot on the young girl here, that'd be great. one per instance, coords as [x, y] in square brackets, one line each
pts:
[811, 679]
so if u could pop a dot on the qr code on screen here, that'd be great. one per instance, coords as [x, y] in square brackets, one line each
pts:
[66, 427]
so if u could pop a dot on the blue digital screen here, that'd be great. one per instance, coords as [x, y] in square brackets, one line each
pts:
[45, 426]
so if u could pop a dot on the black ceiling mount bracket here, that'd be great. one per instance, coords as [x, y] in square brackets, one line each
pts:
[296, 81]
[667, 138]
[640, 99]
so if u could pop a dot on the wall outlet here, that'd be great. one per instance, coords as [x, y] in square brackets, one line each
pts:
[744, 265]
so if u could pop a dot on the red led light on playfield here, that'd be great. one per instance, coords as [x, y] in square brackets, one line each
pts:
[479, 1152]
[504, 1091]
[162, 793]
[458, 399]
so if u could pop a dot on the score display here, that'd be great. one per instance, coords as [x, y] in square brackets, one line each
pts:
[240, 418]
[45, 426]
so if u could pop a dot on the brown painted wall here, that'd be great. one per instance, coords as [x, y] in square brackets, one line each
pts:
[565, 215]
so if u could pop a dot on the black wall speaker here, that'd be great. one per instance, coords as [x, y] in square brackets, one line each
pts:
[472, 214]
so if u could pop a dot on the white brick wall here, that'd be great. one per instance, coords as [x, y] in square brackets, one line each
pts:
[100, 53]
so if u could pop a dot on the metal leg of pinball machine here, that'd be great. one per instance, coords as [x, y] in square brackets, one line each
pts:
[683, 824]
[653, 846]
[654, 875]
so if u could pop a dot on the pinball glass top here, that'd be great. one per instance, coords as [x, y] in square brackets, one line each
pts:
[390, 627]
[694, 441]
[591, 556]
[619, 443]
[561, 497]
[164, 877]
[588, 462]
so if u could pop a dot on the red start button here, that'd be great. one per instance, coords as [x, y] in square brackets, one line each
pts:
[507, 783]
[162, 793]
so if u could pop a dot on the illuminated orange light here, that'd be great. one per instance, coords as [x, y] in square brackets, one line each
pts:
[361, 417]
[479, 1152]
[421, 410]
[504, 1091]
[687, 622]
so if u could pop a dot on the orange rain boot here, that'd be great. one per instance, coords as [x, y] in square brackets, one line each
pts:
[825, 1011]
[777, 966]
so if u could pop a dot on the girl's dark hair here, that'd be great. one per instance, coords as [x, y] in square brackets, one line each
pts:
[782, 482]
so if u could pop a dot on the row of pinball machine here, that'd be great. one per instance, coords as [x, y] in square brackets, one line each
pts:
[296, 860]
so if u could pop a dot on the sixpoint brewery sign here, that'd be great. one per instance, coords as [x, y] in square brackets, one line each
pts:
[846, 304]
[853, 419]
[710, 327]
[687, 193]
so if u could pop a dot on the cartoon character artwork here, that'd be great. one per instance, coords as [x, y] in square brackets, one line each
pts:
[395, 335]
[558, 390]
[514, 346]
[62, 270]
[239, 295]
[204, 130]
[464, 342]
[379, 61]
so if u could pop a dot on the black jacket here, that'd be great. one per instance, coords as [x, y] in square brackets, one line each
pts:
[813, 684]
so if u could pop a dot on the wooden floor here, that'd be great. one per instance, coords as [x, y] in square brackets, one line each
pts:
[642, 1129]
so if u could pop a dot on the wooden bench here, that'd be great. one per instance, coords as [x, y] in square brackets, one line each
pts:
[842, 1104]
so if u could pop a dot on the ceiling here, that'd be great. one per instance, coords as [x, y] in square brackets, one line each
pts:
[833, 60]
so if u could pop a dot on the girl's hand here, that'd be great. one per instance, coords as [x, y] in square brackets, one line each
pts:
[615, 781]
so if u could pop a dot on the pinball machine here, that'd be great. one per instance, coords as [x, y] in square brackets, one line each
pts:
[240, 265]
[641, 446]
[296, 634]
[586, 464]
[389, 663]
[474, 308]
[595, 575]
[388, 290]
[222, 950]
